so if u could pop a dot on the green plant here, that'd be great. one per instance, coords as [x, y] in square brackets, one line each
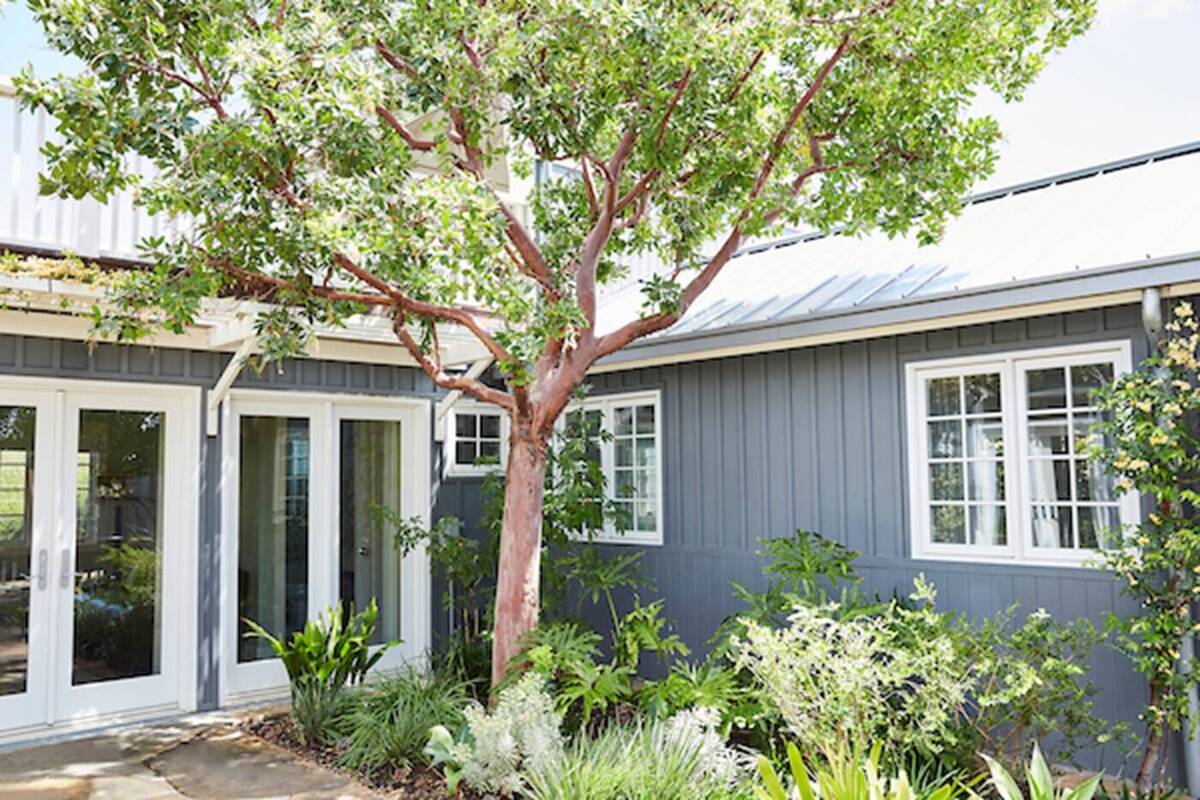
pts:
[1032, 687]
[1039, 780]
[675, 759]
[1148, 439]
[844, 777]
[839, 681]
[330, 652]
[642, 630]
[707, 685]
[494, 750]
[388, 720]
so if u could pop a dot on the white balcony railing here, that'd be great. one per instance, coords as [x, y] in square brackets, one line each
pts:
[29, 220]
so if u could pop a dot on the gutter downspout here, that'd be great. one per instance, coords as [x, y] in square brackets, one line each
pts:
[1152, 321]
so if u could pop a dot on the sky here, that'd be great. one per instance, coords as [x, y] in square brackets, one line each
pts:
[1130, 85]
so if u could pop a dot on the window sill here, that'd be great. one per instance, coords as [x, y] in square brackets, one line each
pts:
[1086, 560]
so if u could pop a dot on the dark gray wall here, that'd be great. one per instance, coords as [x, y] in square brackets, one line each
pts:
[61, 358]
[814, 438]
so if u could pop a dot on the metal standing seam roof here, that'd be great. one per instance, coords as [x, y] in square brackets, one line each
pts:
[1143, 207]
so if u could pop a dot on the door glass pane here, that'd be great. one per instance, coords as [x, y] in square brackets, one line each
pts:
[1047, 388]
[272, 529]
[16, 512]
[370, 483]
[118, 546]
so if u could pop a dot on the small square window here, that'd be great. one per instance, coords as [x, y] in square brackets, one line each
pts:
[475, 440]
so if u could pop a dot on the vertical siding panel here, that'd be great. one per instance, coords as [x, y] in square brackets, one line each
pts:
[755, 450]
[778, 454]
[829, 457]
[730, 526]
[692, 447]
[855, 433]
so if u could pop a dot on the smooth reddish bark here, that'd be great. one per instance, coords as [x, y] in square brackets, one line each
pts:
[518, 578]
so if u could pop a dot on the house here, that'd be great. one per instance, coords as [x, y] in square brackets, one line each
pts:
[917, 404]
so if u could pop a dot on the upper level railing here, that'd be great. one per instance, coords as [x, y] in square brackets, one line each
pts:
[31, 221]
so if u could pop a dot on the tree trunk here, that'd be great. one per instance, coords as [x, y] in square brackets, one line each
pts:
[1154, 746]
[518, 579]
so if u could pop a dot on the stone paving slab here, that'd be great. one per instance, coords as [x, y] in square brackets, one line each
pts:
[204, 758]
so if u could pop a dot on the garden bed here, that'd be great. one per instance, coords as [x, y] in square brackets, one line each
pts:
[418, 783]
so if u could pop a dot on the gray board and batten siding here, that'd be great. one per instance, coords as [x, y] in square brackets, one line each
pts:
[814, 438]
[69, 359]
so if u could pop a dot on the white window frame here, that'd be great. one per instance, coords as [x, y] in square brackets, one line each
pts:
[606, 403]
[453, 469]
[266, 679]
[1012, 367]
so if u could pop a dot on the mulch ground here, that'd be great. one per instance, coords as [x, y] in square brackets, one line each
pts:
[417, 783]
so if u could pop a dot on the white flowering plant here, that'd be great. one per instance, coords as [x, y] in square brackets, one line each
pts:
[495, 749]
[898, 678]
[1148, 440]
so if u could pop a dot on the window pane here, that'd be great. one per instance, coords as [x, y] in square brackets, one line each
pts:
[645, 419]
[465, 425]
[986, 480]
[489, 452]
[948, 525]
[118, 580]
[1099, 526]
[646, 483]
[945, 439]
[464, 453]
[1093, 483]
[1049, 480]
[369, 478]
[623, 452]
[983, 393]
[272, 529]
[623, 483]
[646, 516]
[943, 397]
[988, 526]
[1048, 437]
[646, 454]
[946, 481]
[1052, 527]
[1047, 388]
[1086, 379]
[623, 421]
[985, 438]
[489, 426]
[1085, 436]
[17, 426]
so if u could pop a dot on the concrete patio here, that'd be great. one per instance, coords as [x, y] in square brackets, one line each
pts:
[204, 757]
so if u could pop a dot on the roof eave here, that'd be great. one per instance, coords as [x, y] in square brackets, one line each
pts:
[1010, 300]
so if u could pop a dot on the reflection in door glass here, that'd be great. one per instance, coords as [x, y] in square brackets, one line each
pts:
[370, 483]
[16, 514]
[118, 546]
[272, 529]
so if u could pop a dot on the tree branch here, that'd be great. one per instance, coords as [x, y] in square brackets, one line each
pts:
[460, 383]
[423, 145]
[395, 61]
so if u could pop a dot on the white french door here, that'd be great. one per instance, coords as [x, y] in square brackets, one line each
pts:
[305, 482]
[98, 516]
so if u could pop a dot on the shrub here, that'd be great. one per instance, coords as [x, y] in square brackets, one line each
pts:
[1041, 784]
[329, 653]
[844, 777]
[389, 719]
[840, 682]
[493, 749]
[681, 758]
[1032, 688]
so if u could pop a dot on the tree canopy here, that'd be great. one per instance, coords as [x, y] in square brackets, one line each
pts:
[332, 156]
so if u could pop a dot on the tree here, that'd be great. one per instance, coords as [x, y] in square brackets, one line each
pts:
[331, 157]
[1149, 441]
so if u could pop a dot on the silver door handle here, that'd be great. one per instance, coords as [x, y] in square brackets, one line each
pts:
[64, 571]
[43, 564]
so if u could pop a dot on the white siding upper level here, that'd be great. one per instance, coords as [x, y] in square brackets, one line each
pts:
[29, 220]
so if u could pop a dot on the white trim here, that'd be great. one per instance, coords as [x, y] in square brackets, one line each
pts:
[1011, 366]
[242, 682]
[451, 467]
[605, 403]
